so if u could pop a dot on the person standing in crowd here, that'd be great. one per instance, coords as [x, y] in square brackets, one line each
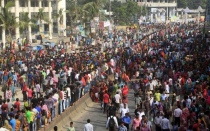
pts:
[136, 122]
[68, 95]
[122, 127]
[18, 123]
[157, 121]
[38, 90]
[24, 91]
[12, 121]
[71, 127]
[112, 123]
[111, 110]
[105, 100]
[117, 100]
[88, 126]
[165, 124]
[124, 110]
[55, 128]
[177, 114]
[127, 120]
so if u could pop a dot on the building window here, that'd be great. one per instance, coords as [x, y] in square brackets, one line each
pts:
[44, 3]
[23, 3]
[35, 3]
[5, 2]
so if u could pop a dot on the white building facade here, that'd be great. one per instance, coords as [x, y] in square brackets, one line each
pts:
[50, 8]
[159, 10]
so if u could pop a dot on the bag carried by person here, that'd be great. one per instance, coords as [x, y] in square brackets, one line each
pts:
[111, 121]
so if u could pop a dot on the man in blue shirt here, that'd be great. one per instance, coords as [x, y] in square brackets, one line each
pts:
[38, 108]
[126, 120]
[12, 121]
[122, 127]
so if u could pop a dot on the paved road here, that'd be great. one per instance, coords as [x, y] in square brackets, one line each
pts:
[95, 114]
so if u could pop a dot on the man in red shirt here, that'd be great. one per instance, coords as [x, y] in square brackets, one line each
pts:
[24, 90]
[17, 103]
[105, 100]
[4, 106]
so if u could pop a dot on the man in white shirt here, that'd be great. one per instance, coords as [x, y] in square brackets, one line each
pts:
[119, 91]
[55, 96]
[77, 76]
[124, 110]
[141, 113]
[117, 100]
[177, 115]
[36, 112]
[157, 121]
[88, 126]
[165, 124]
[68, 96]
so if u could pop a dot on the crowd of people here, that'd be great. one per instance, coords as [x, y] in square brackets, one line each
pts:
[168, 71]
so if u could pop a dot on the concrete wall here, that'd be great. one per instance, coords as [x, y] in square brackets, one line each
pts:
[69, 113]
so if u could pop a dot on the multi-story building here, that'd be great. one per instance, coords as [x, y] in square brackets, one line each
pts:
[159, 10]
[50, 7]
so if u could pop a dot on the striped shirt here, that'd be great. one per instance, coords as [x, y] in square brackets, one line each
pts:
[65, 95]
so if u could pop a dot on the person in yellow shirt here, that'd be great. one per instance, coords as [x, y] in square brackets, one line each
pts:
[33, 115]
[17, 127]
[157, 96]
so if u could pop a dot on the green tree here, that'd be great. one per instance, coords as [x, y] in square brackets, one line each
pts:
[182, 3]
[8, 20]
[25, 22]
[124, 13]
[94, 6]
[191, 4]
[42, 17]
[59, 15]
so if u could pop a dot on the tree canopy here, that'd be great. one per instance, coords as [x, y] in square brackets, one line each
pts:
[191, 4]
[125, 13]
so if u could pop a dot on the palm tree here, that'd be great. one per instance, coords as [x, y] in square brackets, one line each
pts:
[94, 7]
[8, 20]
[25, 22]
[41, 17]
[59, 17]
